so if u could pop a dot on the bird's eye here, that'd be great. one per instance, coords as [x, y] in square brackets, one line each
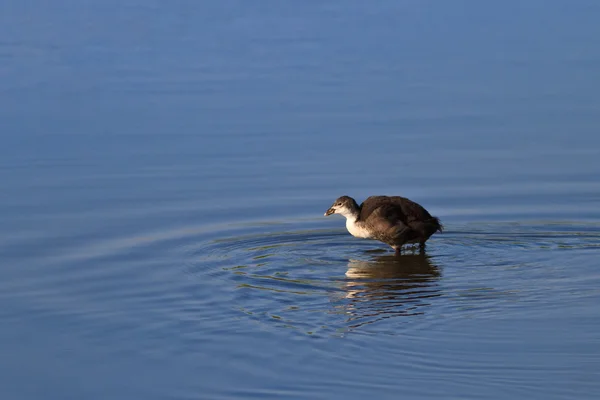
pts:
[338, 204]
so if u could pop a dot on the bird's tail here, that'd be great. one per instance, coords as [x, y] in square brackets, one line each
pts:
[437, 224]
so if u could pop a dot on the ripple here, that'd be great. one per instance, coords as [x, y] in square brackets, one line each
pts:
[323, 281]
[308, 279]
[220, 292]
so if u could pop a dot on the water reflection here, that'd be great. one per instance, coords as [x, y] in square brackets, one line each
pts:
[389, 286]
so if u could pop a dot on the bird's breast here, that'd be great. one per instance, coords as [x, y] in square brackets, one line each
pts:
[357, 230]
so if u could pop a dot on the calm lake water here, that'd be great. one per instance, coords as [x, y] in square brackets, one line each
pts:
[165, 167]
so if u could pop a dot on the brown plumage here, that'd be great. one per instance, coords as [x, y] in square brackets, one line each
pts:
[393, 220]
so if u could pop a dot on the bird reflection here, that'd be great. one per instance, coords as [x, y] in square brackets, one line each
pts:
[389, 286]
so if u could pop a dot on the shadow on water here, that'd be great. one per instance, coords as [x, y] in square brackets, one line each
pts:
[389, 286]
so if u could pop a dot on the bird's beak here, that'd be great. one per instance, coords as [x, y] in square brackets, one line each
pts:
[330, 211]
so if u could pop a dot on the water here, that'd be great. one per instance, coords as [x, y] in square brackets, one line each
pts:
[165, 168]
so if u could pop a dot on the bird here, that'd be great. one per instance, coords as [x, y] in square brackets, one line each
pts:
[393, 220]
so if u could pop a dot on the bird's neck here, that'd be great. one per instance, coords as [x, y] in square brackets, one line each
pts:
[353, 213]
[351, 218]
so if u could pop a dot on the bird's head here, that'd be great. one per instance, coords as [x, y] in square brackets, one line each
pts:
[344, 205]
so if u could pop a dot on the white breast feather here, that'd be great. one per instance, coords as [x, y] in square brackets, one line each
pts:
[356, 230]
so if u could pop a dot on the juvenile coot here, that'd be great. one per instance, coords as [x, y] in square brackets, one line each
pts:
[393, 220]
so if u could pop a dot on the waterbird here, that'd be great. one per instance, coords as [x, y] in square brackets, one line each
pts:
[393, 220]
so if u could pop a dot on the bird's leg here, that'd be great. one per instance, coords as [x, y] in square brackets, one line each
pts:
[398, 251]
[422, 247]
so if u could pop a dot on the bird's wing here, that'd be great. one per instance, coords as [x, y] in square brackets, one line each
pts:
[371, 204]
[382, 209]
[389, 223]
[385, 213]
[413, 211]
